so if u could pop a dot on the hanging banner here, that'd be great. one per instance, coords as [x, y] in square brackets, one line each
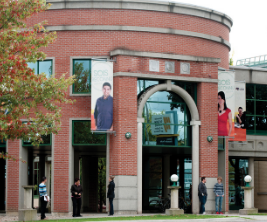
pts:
[240, 112]
[102, 96]
[226, 103]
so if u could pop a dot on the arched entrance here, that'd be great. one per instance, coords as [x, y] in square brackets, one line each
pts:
[195, 122]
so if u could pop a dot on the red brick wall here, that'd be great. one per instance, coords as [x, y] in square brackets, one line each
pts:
[123, 152]
[207, 105]
[70, 43]
[12, 201]
[133, 18]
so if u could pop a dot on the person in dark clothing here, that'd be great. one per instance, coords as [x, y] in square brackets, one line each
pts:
[76, 196]
[241, 118]
[202, 193]
[104, 109]
[111, 194]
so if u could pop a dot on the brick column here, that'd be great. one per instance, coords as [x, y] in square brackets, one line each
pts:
[12, 200]
[208, 151]
[60, 182]
[123, 152]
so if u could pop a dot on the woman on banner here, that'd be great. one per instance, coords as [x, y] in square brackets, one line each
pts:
[224, 116]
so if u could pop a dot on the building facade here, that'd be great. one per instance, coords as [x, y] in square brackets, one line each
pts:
[165, 61]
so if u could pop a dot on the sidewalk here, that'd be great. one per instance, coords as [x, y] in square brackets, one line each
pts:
[240, 218]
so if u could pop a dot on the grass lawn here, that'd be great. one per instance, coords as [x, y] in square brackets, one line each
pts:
[152, 217]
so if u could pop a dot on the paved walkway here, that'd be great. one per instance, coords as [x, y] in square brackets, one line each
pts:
[240, 218]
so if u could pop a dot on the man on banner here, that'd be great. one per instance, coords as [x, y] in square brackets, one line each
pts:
[103, 113]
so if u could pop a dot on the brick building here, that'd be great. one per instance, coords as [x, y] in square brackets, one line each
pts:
[166, 58]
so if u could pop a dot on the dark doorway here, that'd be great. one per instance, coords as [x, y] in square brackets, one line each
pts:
[93, 180]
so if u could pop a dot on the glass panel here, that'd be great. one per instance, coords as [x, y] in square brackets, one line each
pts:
[82, 70]
[33, 66]
[249, 91]
[261, 92]
[155, 164]
[45, 67]
[82, 134]
[220, 143]
[261, 108]
[238, 169]
[261, 123]
[250, 107]
[166, 97]
[250, 122]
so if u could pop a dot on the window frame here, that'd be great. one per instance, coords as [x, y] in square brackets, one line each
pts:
[85, 144]
[255, 100]
[72, 58]
[188, 143]
[53, 65]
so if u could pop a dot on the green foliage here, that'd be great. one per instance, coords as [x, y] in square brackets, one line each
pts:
[24, 95]
[102, 180]
[82, 76]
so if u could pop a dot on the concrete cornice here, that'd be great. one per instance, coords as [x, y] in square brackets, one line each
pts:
[248, 68]
[175, 78]
[162, 6]
[164, 56]
[138, 29]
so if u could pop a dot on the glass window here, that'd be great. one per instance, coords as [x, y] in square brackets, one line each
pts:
[82, 71]
[238, 169]
[256, 109]
[152, 182]
[46, 138]
[187, 179]
[221, 144]
[82, 134]
[45, 67]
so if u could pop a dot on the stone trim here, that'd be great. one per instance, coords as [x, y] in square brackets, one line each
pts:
[138, 29]
[159, 6]
[153, 76]
[164, 56]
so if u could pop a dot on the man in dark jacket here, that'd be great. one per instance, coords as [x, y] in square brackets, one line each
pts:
[202, 193]
[111, 194]
[76, 196]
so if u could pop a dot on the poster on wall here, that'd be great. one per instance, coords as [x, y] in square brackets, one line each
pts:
[158, 127]
[226, 103]
[240, 112]
[102, 96]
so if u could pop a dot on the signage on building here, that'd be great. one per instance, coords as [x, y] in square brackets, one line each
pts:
[240, 112]
[161, 124]
[226, 103]
[102, 96]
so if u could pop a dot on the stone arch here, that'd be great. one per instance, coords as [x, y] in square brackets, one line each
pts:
[195, 123]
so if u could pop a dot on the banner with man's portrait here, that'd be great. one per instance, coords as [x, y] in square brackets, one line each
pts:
[102, 96]
[240, 112]
[226, 103]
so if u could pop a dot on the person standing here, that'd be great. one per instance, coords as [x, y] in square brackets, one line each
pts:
[76, 196]
[111, 194]
[43, 193]
[202, 193]
[219, 194]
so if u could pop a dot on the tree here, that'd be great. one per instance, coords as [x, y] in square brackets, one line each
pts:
[22, 93]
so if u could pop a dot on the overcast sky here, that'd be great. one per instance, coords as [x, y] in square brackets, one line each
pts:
[248, 36]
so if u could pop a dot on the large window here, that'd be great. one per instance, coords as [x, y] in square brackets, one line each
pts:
[238, 169]
[82, 135]
[167, 118]
[82, 71]
[256, 103]
[152, 182]
[45, 66]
